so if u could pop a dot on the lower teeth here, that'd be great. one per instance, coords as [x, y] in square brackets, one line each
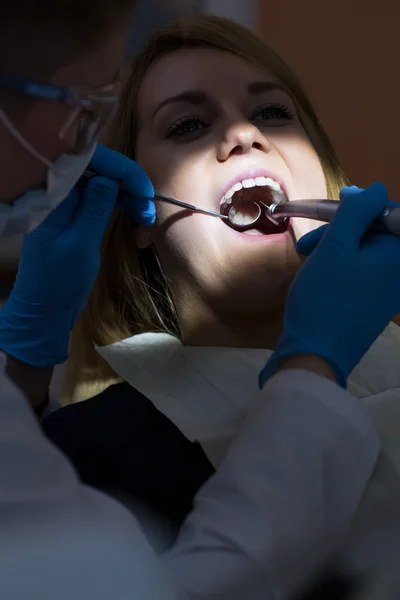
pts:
[245, 214]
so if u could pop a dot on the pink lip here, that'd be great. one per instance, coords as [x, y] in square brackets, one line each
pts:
[252, 174]
[277, 238]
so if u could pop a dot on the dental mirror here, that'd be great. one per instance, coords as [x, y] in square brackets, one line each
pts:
[245, 214]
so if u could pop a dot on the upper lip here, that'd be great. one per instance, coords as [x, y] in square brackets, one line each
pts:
[252, 174]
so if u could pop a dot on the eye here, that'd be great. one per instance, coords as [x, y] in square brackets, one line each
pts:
[272, 114]
[187, 126]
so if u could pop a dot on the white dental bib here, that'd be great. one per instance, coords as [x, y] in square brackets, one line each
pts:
[207, 391]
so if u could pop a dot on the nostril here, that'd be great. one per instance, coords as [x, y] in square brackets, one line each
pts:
[237, 150]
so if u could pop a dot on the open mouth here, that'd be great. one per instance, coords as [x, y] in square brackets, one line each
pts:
[245, 198]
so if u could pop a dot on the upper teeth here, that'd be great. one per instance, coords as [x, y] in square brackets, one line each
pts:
[277, 193]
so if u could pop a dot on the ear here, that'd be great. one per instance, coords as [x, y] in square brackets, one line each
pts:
[143, 237]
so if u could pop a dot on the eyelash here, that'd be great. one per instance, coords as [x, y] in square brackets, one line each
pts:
[176, 129]
[284, 110]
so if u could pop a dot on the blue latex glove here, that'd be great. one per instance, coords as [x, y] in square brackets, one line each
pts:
[138, 195]
[347, 291]
[60, 260]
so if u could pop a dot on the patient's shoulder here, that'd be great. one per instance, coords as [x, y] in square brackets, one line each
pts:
[379, 370]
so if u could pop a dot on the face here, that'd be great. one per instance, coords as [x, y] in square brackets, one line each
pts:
[208, 120]
[41, 124]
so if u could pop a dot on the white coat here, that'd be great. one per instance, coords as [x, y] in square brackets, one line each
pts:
[284, 494]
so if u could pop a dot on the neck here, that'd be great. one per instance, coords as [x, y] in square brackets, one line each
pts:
[238, 331]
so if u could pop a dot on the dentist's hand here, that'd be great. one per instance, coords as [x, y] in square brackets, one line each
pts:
[347, 291]
[137, 197]
[60, 260]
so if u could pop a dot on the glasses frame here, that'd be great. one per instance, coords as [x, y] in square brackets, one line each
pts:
[101, 103]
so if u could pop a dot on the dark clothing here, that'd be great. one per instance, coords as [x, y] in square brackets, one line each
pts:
[119, 440]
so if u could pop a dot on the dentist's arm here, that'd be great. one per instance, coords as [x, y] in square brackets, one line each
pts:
[59, 538]
[266, 524]
[308, 362]
[59, 263]
[33, 382]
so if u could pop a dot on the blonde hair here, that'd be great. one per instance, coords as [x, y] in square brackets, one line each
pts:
[130, 295]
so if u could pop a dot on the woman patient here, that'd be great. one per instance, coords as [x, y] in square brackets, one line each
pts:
[214, 117]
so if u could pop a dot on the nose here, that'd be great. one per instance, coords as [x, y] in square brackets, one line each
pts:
[241, 137]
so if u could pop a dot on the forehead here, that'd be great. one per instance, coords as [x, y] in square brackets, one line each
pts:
[209, 70]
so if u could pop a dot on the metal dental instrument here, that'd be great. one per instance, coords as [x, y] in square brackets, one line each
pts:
[163, 198]
[168, 200]
[324, 210]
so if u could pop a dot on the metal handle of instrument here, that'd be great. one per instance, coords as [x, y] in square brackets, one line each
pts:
[168, 200]
[324, 210]
[191, 207]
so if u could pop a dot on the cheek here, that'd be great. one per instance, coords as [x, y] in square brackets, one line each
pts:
[177, 234]
[308, 179]
[180, 237]
[178, 170]
[303, 226]
[305, 169]
[186, 244]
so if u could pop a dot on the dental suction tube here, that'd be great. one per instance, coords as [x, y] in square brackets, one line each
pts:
[324, 210]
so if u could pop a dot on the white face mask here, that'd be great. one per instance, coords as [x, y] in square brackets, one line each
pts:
[28, 211]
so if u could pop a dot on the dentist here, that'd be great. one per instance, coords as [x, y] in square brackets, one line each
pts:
[309, 445]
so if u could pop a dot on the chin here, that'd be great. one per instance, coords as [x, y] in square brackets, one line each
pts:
[257, 255]
[261, 285]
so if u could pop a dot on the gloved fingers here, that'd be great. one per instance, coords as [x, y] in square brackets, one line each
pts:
[356, 213]
[142, 210]
[308, 242]
[59, 218]
[353, 189]
[350, 190]
[124, 170]
[95, 208]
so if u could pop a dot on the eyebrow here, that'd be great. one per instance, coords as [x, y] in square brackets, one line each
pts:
[196, 97]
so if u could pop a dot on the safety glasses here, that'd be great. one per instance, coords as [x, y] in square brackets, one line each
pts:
[92, 109]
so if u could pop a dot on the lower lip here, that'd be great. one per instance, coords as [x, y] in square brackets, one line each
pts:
[253, 235]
